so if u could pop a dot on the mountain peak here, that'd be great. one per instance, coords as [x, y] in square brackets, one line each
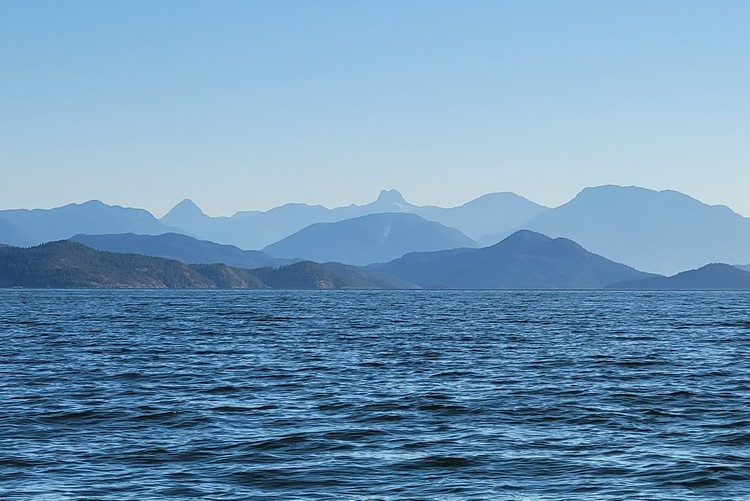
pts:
[187, 203]
[184, 208]
[607, 190]
[92, 203]
[523, 239]
[392, 197]
[88, 205]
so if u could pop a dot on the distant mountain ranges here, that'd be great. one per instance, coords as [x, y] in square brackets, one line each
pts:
[24, 227]
[524, 260]
[369, 239]
[180, 247]
[658, 231]
[662, 232]
[68, 264]
[482, 220]
[715, 276]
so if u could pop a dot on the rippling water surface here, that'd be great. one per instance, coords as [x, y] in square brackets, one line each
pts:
[374, 395]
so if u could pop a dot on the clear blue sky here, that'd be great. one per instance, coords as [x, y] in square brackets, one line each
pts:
[247, 105]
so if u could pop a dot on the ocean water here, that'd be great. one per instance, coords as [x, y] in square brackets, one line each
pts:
[374, 395]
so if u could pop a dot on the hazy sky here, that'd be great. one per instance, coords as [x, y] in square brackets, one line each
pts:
[247, 105]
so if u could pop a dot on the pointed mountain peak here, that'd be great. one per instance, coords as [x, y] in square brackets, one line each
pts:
[187, 203]
[187, 206]
[185, 209]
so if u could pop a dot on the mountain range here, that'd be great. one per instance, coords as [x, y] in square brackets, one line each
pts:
[68, 264]
[180, 247]
[715, 276]
[35, 226]
[487, 217]
[656, 231]
[524, 260]
[369, 239]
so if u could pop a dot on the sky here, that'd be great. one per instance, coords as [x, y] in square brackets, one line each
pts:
[246, 105]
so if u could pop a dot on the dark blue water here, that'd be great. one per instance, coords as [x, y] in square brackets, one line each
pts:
[374, 395]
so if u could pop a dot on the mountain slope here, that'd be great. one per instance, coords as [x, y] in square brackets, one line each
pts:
[10, 235]
[714, 276]
[524, 260]
[487, 219]
[368, 239]
[188, 217]
[659, 231]
[93, 217]
[180, 247]
[309, 275]
[489, 216]
[67, 264]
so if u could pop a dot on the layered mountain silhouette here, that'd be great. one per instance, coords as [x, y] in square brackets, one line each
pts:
[189, 218]
[714, 276]
[657, 231]
[247, 230]
[93, 217]
[68, 264]
[488, 217]
[369, 239]
[524, 260]
[180, 247]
